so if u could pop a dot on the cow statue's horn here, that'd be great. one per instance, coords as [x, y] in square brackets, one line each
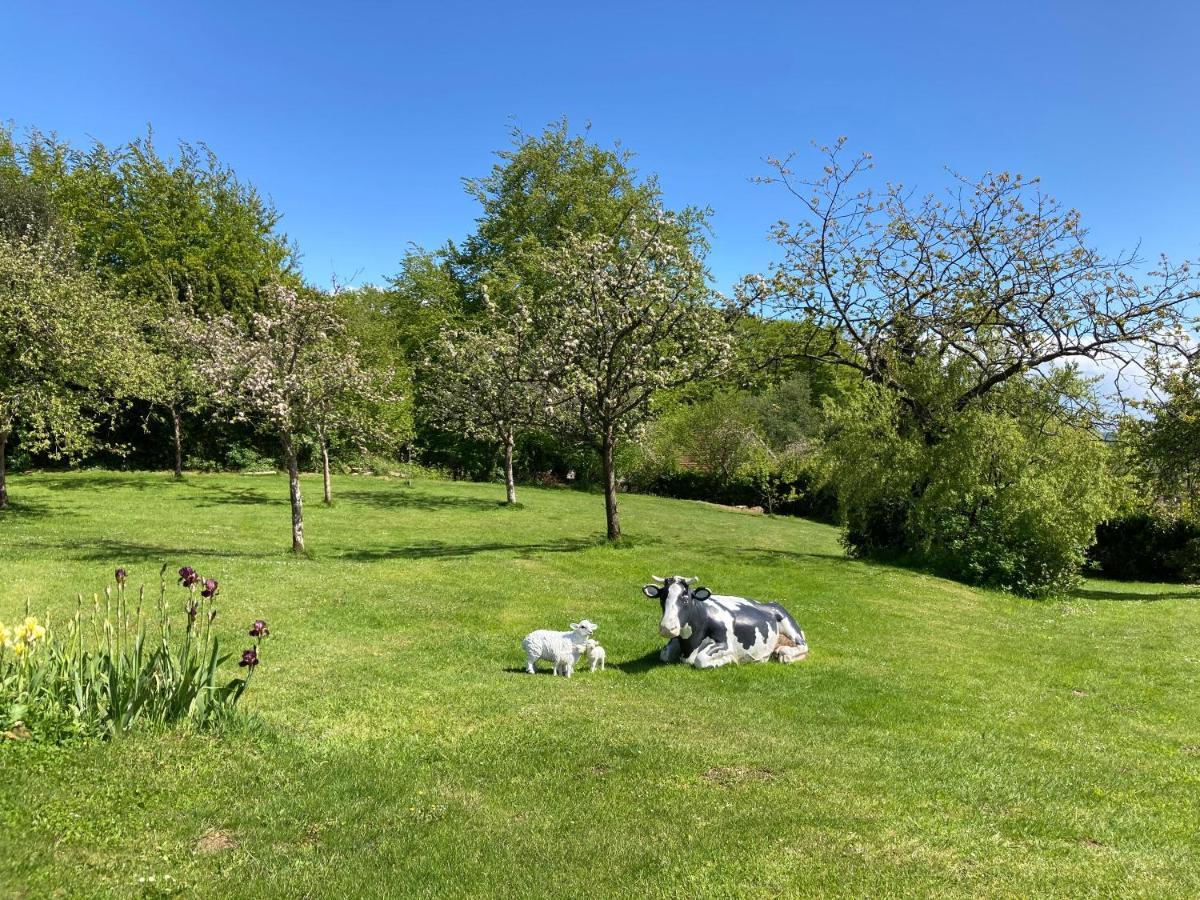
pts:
[691, 580]
[659, 580]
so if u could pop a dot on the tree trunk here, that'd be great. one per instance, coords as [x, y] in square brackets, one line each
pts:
[510, 485]
[3, 470]
[607, 447]
[297, 502]
[325, 471]
[177, 433]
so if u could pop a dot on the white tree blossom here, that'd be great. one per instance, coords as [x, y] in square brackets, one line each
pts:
[632, 316]
[291, 371]
[490, 380]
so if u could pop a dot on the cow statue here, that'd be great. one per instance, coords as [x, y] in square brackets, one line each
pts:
[707, 630]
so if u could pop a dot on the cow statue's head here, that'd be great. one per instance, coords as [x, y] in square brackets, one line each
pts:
[676, 595]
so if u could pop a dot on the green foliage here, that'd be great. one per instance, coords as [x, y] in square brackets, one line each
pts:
[385, 336]
[547, 187]
[110, 670]
[182, 231]
[241, 458]
[736, 446]
[1163, 449]
[69, 350]
[998, 499]
[1147, 546]
[1010, 507]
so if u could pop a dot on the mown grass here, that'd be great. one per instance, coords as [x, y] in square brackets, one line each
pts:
[938, 740]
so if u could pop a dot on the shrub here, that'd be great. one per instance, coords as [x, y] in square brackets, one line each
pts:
[989, 498]
[242, 458]
[110, 669]
[1147, 547]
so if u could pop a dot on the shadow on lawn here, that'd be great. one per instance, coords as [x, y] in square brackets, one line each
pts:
[237, 496]
[642, 664]
[88, 481]
[20, 508]
[767, 555]
[412, 498]
[1132, 597]
[128, 552]
[440, 550]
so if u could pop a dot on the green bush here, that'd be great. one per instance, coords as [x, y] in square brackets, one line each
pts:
[242, 458]
[1147, 547]
[990, 498]
[1009, 508]
[113, 667]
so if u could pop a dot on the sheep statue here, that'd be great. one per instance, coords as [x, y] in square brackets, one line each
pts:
[595, 654]
[563, 648]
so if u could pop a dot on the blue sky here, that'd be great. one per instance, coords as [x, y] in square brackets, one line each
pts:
[360, 119]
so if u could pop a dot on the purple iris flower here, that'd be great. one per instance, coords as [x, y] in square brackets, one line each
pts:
[210, 588]
[188, 576]
[259, 629]
[249, 658]
[121, 575]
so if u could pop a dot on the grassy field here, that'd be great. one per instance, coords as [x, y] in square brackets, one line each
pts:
[939, 740]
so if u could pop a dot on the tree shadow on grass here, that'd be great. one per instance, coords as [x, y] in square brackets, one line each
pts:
[767, 555]
[1132, 597]
[20, 508]
[414, 498]
[441, 550]
[89, 481]
[237, 496]
[126, 552]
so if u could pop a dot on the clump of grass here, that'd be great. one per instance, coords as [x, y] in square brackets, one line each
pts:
[117, 664]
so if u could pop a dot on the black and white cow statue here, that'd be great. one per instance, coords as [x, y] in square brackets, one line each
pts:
[707, 630]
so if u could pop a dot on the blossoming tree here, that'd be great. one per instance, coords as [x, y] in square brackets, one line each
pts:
[290, 370]
[632, 316]
[488, 380]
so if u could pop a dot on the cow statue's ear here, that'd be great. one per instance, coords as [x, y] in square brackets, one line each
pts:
[701, 593]
[650, 590]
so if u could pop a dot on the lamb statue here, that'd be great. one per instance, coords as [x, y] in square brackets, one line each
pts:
[563, 648]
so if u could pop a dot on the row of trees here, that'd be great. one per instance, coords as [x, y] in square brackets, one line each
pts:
[915, 358]
[133, 287]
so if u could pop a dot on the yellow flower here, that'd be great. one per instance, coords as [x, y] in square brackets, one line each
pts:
[5, 636]
[18, 649]
[31, 630]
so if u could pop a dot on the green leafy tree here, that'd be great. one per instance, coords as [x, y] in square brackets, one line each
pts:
[178, 236]
[1008, 496]
[958, 311]
[546, 189]
[1164, 444]
[69, 351]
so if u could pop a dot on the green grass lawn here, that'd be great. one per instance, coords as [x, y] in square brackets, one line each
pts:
[938, 740]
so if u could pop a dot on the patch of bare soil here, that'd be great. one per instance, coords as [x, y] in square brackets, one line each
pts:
[727, 776]
[215, 842]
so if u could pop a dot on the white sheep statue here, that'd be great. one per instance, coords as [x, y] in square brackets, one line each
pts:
[563, 648]
[595, 654]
